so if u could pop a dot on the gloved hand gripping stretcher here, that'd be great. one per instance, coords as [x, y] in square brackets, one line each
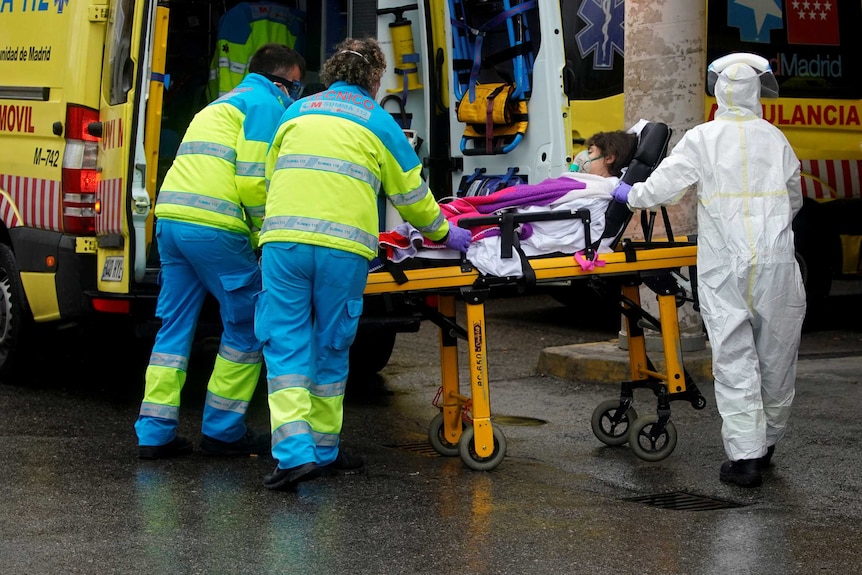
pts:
[463, 426]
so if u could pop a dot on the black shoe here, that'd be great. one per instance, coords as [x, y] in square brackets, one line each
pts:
[286, 479]
[177, 447]
[765, 461]
[345, 464]
[745, 472]
[252, 443]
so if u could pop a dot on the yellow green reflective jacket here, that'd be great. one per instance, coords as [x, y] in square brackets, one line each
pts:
[217, 177]
[332, 155]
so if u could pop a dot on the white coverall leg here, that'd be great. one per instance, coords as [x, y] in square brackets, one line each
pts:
[751, 293]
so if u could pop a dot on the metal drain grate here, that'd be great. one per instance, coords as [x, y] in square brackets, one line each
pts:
[682, 501]
[418, 447]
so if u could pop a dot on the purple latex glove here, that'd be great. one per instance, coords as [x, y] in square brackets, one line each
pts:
[458, 238]
[621, 192]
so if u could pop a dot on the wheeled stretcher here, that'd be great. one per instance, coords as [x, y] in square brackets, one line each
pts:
[463, 426]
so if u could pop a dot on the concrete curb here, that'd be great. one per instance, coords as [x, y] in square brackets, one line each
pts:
[605, 362]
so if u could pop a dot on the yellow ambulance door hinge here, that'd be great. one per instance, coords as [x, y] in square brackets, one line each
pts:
[85, 245]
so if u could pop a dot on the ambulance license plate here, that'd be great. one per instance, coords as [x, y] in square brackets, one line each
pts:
[113, 269]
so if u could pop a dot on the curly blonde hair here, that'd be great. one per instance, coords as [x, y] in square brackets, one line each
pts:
[358, 61]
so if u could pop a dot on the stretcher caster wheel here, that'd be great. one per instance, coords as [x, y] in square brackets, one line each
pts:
[610, 432]
[648, 442]
[467, 450]
[438, 442]
[699, 402]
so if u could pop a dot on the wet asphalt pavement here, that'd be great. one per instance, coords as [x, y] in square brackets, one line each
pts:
[75, 498]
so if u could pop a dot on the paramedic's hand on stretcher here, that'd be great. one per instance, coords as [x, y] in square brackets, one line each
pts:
[458, 238]
[621, 192]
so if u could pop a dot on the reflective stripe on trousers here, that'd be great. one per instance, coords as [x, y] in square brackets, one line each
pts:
[307, 316]
[196, 260]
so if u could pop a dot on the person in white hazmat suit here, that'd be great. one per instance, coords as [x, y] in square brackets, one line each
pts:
[750, 288]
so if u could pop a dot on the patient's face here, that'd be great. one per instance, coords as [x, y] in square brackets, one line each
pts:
[597, 163]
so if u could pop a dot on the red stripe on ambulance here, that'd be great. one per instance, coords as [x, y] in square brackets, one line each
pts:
[109, 220]
[37, 200]
[842, 179]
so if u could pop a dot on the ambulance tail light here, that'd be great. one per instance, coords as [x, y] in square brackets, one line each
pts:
[80, 176]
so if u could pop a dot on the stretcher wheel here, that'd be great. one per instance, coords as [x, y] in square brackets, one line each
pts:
[648, 444]
[467, 450]
[605, 429]
[438, 442]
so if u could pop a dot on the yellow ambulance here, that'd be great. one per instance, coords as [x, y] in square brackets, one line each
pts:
[94, 98]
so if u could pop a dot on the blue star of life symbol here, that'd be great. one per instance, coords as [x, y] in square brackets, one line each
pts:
[605, 31]
[60, 4]
[754, 18]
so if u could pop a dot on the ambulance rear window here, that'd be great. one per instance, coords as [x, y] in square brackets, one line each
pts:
[121, 67]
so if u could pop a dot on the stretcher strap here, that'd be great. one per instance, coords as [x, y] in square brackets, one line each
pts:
[588, 264]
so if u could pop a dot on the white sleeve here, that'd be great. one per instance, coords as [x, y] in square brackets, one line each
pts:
[794, 182]
[670, 180]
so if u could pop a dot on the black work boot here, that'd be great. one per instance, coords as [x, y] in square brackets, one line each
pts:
[345, 464]
[744, 472]
[287, 479]
[765, 461]
[252, 443]
[176, 447]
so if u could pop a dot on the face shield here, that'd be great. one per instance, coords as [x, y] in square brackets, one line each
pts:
[768, 83]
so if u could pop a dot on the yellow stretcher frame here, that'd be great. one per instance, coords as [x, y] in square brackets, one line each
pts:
[482, 446]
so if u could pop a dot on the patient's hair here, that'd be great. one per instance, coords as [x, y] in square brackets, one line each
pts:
[619, 144]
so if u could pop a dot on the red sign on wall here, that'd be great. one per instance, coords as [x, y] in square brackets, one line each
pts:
[812, 22]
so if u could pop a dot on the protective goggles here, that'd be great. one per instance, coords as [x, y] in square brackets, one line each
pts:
[294, 87]
[768, 83]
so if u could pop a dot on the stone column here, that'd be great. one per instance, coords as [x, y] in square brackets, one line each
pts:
[664, 81]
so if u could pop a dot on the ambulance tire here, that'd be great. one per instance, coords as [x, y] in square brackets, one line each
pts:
[15, 318]
[371, 351]
[815, 245]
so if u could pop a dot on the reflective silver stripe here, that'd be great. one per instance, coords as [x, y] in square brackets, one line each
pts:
[235, 405]
[325, 227]
[295, 428]
[256, 169]
[325, 439]
[190, 200]
[433, 226]
[333, 165]
[274, 384]
[255, 211]
[289, 430]
[328, 389]
[237, 356]
[162, 411]
[208, 149]
[232, 65]
[410, 197]
[317, 389]
[169, 360]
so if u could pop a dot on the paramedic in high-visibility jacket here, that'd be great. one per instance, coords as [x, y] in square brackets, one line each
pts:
[332, 155]
[210, 209]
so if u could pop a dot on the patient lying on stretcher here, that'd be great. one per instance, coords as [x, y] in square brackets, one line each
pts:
[596, 173]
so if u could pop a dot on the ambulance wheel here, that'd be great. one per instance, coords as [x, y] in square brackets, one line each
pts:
[605, 429]
[15, 318]
[371, 350]
[646, 446]
[438, 442]
[467, 449]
